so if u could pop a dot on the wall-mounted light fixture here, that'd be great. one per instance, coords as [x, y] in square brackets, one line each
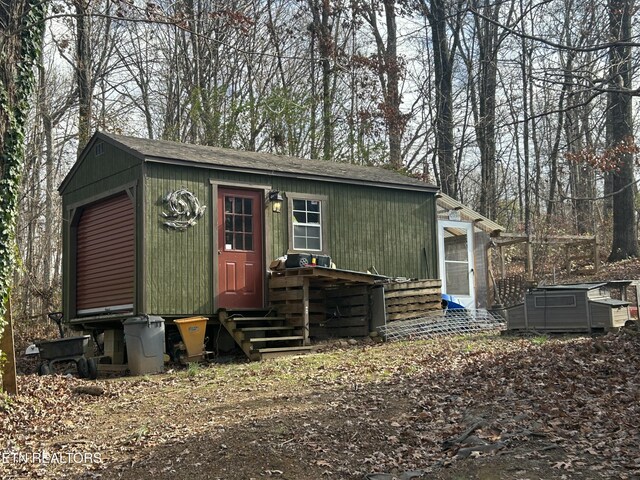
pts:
[276, 201]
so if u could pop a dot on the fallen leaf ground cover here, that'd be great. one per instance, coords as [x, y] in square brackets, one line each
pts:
[486, 407]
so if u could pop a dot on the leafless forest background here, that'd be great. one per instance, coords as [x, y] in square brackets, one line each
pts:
[523, 109]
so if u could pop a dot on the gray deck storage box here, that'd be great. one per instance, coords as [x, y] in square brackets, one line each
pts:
[568, 308]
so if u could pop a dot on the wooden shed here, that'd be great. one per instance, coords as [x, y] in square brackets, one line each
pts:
[170, 229]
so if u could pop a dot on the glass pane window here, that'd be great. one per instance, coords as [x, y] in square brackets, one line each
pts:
[307, 224]
[238, 223]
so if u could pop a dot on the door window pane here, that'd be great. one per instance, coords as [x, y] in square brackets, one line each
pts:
[238, 223]
[457, 278]
[456, 248]
[238, 206]
[238, 241]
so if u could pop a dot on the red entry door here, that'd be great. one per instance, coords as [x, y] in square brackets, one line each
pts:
[240, 261]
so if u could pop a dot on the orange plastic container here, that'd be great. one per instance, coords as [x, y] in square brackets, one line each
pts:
[192, 331]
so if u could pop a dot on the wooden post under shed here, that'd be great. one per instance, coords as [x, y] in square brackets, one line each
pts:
[596, 254]
[529, 260]
[305, 310]
[567, 258]
[9, 378]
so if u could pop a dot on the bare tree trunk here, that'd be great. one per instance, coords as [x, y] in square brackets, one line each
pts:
[84, 72]
[389, 73]
[488, 44]
[553, 160]
[172, 125]
[581, 178]
[443, 72]
[314, 100]
[526, 79]
[537, 168]
[322, 31]
[395, 119]
[620, 132]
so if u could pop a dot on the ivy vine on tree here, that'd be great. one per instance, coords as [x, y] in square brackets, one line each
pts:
[22, 23]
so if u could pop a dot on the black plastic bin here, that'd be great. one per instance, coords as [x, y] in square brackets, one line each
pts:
[296, 260]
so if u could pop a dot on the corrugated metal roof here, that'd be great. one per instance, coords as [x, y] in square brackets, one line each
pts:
[447, 203]
[264, 163]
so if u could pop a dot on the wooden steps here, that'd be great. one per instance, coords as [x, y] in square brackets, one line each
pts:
[276, 339]
[233, 318]
[284, 351]
[265, 337]
[265, 329]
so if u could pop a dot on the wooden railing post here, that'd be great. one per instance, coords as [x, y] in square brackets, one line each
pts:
[305, 310]
[529, 260]
[596, 254]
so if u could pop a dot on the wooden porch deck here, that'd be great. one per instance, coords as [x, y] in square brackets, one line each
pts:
[319, 302]
[302, 295]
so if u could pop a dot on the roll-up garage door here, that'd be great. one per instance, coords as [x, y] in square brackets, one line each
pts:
[105, 258]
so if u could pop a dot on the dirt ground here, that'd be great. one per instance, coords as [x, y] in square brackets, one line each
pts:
[484, 407]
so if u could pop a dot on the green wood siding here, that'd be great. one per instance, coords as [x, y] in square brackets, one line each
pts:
[178, 264]
[99, 173]
[391, 230]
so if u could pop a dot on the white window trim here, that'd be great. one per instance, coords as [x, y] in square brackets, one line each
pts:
[324, 201]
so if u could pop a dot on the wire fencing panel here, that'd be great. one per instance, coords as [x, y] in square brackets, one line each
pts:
[449, 322]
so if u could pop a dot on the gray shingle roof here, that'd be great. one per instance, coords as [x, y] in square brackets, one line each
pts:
[264, 163]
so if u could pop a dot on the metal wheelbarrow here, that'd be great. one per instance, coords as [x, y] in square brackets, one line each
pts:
[65, 350]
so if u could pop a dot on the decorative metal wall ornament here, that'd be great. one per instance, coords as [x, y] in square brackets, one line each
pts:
[184, 209]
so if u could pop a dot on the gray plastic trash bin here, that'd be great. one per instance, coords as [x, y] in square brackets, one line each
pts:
[144, 338]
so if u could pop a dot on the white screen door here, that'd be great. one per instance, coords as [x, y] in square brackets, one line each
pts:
[456, 260]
